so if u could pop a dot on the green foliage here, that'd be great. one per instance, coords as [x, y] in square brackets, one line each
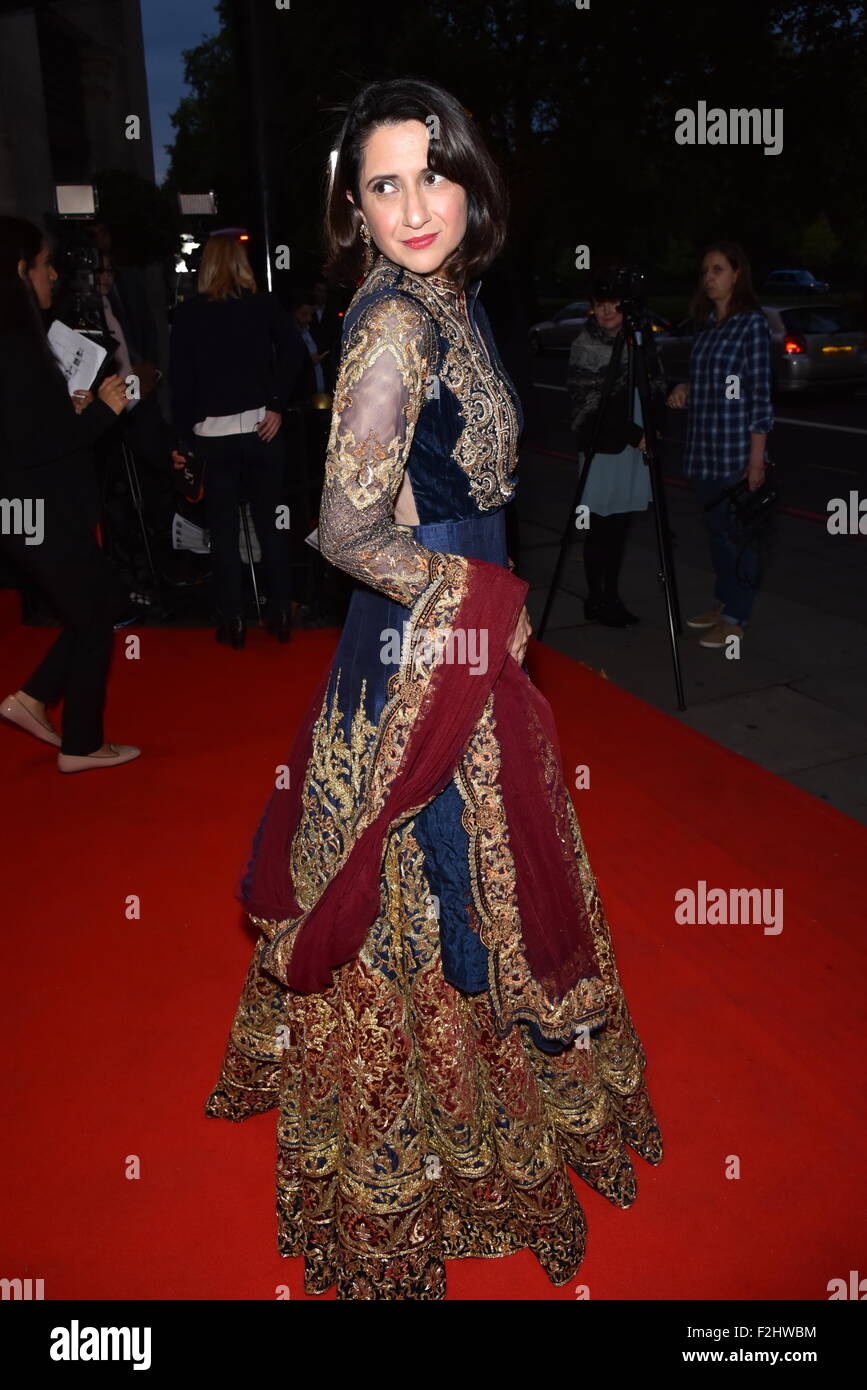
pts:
[819, 244]
[579, 106]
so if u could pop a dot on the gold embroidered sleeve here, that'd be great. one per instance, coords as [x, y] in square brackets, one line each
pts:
[380, 391]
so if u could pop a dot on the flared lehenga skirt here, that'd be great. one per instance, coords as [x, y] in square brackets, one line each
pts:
[409, 1130]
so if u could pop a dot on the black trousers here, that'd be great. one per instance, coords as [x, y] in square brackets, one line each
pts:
[603, 553]
[84, 588]
[236, 466]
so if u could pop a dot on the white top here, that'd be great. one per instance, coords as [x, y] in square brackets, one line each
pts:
[243, 423]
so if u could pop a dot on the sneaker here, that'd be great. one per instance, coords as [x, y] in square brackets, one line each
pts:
[719, 634]
[708, 619]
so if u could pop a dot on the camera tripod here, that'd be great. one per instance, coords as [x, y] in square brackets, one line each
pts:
[632, 336]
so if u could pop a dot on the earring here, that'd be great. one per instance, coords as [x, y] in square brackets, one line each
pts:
[369, 255]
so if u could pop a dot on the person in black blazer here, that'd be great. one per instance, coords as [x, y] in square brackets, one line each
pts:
[326, 326]
[51, 508]
[235, 359]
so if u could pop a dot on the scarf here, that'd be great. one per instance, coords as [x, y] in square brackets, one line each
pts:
[422, 733]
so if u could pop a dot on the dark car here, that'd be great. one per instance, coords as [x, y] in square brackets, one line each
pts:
[813, 346]
[794, 282]
[556, 333]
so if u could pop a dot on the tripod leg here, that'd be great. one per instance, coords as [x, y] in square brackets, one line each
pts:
[611, 373]
[660, 512]
[249, 545]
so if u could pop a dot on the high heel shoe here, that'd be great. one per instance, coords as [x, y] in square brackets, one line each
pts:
[233, 631]
[281, 623]
[16, 713]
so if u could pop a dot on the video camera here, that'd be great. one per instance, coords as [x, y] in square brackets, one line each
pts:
[78, 261]
[625, 285]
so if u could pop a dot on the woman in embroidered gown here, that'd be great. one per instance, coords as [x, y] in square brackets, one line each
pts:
[432, 1005]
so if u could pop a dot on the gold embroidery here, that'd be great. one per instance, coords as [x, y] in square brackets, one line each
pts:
[515, 993]
[345, 786]
[377, 400]
[409, 1132]
[487, 446]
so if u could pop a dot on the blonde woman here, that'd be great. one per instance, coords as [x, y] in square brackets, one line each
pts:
[235, 359]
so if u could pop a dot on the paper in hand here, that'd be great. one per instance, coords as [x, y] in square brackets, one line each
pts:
[78, 356]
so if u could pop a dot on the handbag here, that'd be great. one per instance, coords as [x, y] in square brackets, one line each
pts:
[748, 513]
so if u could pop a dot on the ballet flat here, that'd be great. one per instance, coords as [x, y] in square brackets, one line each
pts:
[75, 762]
[16, 713]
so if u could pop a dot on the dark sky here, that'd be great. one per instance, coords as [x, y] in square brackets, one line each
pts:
[170, 26]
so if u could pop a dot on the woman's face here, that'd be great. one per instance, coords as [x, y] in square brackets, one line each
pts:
[41, 275]
[416, 217]
[607, 314]
[718, 276]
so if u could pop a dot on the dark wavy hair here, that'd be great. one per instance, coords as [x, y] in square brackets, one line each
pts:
[743, 294]
[20, 240]
[459, 153]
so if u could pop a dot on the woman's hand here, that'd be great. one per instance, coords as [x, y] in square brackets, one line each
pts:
[520, 637]
[81, 400]
[268, 427]
[755, 469]
[755, 475]
[113, 393]
[677, 399]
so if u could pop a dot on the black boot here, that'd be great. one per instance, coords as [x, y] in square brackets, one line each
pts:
[280, 623]
[232, 631]
[614, 613]
[593, 605]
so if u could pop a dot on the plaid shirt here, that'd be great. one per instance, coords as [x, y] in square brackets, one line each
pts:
[720, 421]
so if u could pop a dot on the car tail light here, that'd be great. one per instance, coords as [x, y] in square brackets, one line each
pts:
[793, 344]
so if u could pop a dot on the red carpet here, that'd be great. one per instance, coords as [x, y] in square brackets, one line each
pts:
[115, 1028]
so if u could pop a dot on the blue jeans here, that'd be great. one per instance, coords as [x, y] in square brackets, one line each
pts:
[737, 570]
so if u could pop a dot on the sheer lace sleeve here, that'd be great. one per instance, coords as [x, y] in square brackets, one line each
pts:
[379, 393]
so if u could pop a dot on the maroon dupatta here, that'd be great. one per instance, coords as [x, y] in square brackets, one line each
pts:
[430, 715]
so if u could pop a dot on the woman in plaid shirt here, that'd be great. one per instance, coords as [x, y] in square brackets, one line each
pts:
[730, 417]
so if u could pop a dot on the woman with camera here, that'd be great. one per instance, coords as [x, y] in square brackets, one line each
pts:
[235, 359]
[730, 416]
[618, 483]
[48, 480]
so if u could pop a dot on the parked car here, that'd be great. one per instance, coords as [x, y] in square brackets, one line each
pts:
[794, 282]
[813, 347]
[556, 333]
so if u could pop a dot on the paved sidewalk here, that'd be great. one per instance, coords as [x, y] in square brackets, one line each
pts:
[796, 700]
